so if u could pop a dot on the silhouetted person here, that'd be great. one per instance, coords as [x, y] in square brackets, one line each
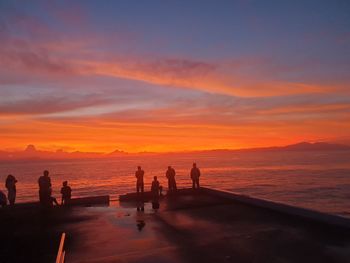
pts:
[66, 192]
[155, 190]
[170, 174]
[3, 199]
[139, 179]
[195, 174]
[11, 188]
[45, 189]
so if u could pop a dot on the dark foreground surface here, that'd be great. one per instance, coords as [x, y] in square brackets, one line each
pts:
[194, 227]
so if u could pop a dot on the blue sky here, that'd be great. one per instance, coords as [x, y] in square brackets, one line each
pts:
[250, 73]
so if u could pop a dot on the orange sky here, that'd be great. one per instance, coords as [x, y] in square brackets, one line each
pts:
[95, 81]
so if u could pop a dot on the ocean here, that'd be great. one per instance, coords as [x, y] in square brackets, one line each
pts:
[319, 180]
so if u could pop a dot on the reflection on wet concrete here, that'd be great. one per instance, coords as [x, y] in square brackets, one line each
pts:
[140, 224]
[200, 228]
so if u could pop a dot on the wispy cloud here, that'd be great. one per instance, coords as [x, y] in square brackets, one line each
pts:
[69, 80]
[48, 53]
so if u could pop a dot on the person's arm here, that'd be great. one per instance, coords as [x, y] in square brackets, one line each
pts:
[199, 172]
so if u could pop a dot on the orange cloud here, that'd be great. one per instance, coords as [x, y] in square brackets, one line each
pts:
[160, 134]
[61, 59]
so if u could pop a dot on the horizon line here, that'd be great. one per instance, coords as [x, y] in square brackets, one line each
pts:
[58, 151]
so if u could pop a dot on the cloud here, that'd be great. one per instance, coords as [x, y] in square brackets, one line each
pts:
[91, 86]
[48, 54]
[208, 110]
[50, 104]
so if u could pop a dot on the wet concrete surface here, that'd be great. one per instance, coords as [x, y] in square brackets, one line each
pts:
[199, 228]
[189, 227]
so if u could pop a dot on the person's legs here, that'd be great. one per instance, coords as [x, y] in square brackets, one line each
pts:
[44, 197]
[41, 197]
[137, 188]
[197, 182]
[193, 184]
[54, 200]
[48, 200]
[169, 185]
[142, 187]
[11, 196]
[174, 185]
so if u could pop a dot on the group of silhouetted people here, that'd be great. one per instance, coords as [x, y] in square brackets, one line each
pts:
[156, 188]
[47, 200]
[10, 185]
[170, 175]
[45, 191]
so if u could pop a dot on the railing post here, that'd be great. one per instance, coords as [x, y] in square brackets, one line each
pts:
[61, 253]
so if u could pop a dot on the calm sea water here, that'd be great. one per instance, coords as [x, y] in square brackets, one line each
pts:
[317, 180]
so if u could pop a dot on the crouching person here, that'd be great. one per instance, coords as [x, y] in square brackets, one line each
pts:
[66, 192]
[156, 191]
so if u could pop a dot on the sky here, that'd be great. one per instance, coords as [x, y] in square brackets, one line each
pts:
[173, 75]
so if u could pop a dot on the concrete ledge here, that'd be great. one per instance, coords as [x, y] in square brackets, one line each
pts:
[90, 200]
[82, 201]
[147, 196]
[308, 214]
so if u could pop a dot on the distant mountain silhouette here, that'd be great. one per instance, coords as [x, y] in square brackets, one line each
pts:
[302, 146]
[307, 146]
[30, 149]
[117, 153]
[30, 152]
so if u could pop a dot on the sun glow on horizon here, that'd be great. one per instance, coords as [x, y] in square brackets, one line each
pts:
[101, 78]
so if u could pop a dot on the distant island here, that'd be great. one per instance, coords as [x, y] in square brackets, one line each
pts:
[31, 153]
[306, 146]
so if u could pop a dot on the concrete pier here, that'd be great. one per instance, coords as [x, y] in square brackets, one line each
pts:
[191, 226]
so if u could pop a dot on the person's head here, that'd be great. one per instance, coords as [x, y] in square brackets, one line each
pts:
[46, 173]
[9, 176]
[65, 183]
[194, 165]
[155, 178]
[169, 167]
[138, 167]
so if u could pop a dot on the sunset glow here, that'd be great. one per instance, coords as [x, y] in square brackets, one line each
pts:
[155, 76]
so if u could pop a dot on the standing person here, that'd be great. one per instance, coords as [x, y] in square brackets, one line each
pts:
[66, 192]
[170, 174]
[195, 174]
[11, 189]
[3, 199]
[45, 189]
[155, 190]
[139, 179]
